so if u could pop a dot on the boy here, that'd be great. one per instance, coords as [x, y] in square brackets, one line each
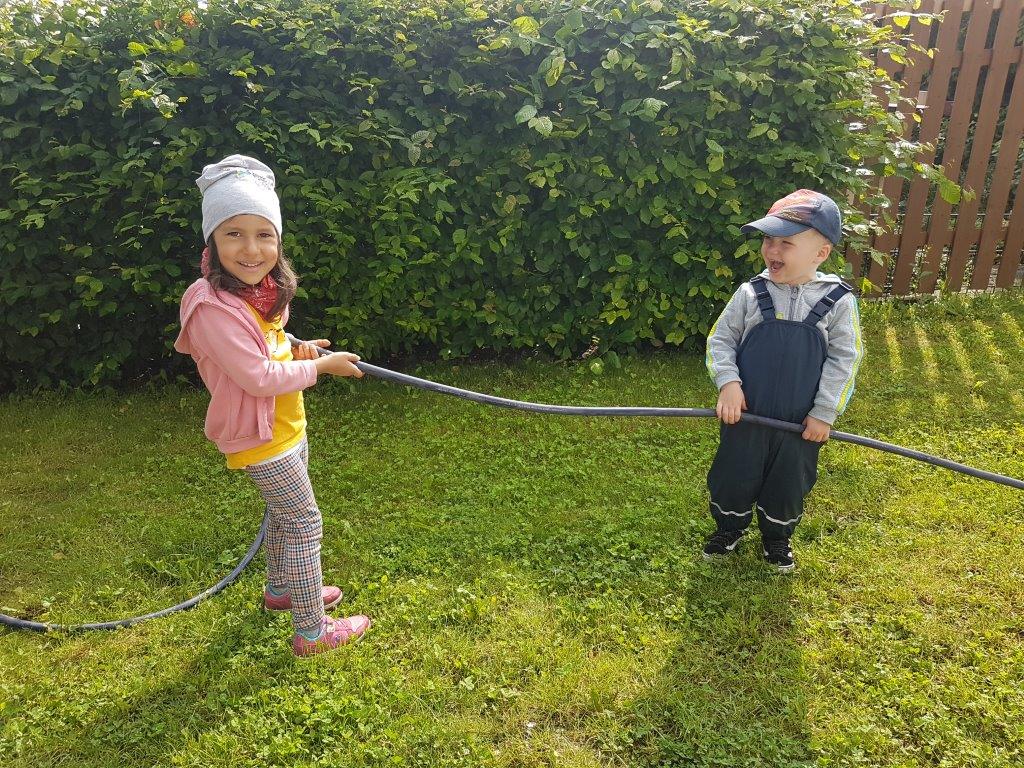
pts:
[787, 346]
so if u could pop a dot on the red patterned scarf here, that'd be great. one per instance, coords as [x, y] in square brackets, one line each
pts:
[260, 297]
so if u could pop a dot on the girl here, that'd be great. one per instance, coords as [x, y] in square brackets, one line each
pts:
[232, 324]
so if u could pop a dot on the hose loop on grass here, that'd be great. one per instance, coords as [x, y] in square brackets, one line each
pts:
[39, 626]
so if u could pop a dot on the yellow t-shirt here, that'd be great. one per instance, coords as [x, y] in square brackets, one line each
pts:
[289, 412]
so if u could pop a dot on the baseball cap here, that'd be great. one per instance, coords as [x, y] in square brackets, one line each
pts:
[799, 211]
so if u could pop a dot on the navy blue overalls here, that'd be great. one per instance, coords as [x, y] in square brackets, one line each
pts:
[780, 364]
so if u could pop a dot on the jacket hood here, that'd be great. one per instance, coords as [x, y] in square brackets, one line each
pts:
[201, 292]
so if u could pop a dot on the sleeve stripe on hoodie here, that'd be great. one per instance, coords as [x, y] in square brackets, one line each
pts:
[709, 361]
[858, 342]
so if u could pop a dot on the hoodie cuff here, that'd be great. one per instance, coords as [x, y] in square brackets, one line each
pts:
[724, 378]
[309, 368]
[823, 413]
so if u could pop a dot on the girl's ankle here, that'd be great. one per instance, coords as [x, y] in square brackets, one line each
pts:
[312, 634]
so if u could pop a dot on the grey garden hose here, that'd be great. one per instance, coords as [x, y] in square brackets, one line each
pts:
[572, 410]
[502, 402]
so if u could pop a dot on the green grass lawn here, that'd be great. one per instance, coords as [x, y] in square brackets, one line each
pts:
[535, 581]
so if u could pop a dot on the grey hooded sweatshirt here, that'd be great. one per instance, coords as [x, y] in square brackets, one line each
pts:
[841, 328]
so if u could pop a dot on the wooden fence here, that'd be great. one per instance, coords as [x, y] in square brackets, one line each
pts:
[970, 99]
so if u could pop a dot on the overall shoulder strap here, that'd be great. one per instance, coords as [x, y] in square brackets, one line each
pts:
[764, 299]
[825, 304]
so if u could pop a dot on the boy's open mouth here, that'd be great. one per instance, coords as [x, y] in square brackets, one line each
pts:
[775, 266]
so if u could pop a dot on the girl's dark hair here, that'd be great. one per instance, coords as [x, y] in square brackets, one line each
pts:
[282, 274]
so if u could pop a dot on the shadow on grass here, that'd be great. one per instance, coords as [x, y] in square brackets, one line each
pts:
[732, 693]
[145, 725]
[941, 363]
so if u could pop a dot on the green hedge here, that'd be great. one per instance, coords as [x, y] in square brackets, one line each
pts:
[454, 175]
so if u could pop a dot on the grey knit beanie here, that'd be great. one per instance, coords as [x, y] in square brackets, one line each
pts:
[236, 185]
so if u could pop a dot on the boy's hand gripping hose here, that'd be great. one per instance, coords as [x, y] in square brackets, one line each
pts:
[502, 402]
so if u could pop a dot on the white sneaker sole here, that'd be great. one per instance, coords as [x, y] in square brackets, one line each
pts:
[729, 551]
[783, 568]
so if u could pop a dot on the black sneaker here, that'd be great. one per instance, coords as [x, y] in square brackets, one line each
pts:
[722, 543]
[779, 554]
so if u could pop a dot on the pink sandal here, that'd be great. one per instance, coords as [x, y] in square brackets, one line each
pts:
[334, 633]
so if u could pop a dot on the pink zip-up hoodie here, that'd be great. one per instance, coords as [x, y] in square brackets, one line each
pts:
[222, 336]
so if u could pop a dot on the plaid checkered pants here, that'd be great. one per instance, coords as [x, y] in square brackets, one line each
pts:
[294, 531]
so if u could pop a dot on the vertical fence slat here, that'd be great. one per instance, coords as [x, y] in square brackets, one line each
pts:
[876, 271]
[956, 137]
[912, 237]
[854, 257]
[1014, 244]
[912, 78]
[999, 194]
[981, 148]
